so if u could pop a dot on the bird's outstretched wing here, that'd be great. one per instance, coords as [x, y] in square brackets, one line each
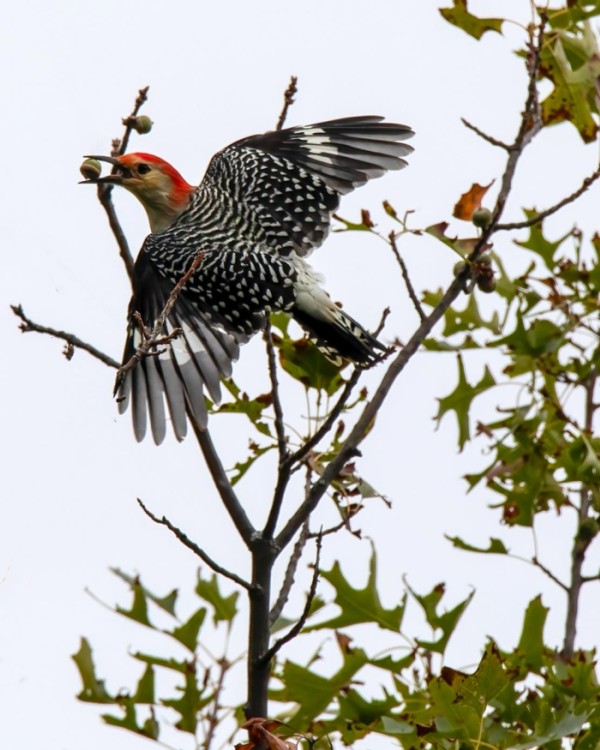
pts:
[290, 181]
[182, 369]
[262, 199]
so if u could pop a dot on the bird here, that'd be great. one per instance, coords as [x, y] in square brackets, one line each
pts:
[264, 204]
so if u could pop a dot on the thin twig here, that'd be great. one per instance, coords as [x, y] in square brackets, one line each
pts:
[531, 124]
[226, 492]
[212, 718]
[548, 573]
[405, 276]
[104, 196]
[187, 542]
[588, 181]
[28, 326]
[288, 100]
[155, 337]
[490, 139]
[331, 530]
[279, 424]
[290, 573]
[297, 627]
[588, 579]
[338, 407]
[119, 146]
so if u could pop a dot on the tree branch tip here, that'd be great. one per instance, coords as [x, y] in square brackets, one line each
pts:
[288, 100]
[485, 136]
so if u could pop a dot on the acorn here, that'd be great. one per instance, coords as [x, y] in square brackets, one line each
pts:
[486, 284]
[459, 267]
[90, 169]
[143, 124]
[482, 218]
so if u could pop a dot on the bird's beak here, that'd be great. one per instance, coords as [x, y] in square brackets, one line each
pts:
[115, 178]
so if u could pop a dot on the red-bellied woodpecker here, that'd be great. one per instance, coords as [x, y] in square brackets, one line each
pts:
[264, 204]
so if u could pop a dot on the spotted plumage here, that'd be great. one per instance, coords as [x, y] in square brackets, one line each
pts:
[264, 204]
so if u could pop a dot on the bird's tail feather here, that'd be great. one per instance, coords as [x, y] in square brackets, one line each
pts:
[341, 338]
[176, 376]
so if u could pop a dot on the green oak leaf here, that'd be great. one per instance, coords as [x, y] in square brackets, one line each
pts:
[93, 690]
[574, 88]
[360, 605]
[224, 607]
[473, 25]
[531, 642]
[495, 547]
[461, 398]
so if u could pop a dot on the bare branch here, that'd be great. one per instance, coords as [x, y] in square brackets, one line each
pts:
[187, 542]
[288, 100]
[490, 139]
[553, 209]
[405, 276]
[28, 326]
[154, 338]
[290, 573]
[297, 627]
[226, 492]
[580, 542]
[105, 198]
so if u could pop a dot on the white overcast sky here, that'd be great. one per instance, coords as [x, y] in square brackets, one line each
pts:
[72, 470]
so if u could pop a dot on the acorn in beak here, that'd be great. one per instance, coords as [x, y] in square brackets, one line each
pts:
[91, 171]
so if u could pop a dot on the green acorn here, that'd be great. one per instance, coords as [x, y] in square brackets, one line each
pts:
[482, 218]
[143, 124]
[90, 169]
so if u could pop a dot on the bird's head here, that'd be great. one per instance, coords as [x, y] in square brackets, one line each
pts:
[155, 183]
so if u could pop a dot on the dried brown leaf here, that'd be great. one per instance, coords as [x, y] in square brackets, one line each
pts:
[470, 201]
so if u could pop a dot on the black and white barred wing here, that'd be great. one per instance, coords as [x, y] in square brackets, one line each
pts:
[179, 372]
[291, 180]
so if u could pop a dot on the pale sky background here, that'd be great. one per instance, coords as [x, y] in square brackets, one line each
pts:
[72, 469]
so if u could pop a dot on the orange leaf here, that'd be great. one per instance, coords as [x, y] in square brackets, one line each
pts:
[470, 201]
[365, 218]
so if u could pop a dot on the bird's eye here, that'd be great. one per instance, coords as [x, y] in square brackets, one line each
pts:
[143, 169]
